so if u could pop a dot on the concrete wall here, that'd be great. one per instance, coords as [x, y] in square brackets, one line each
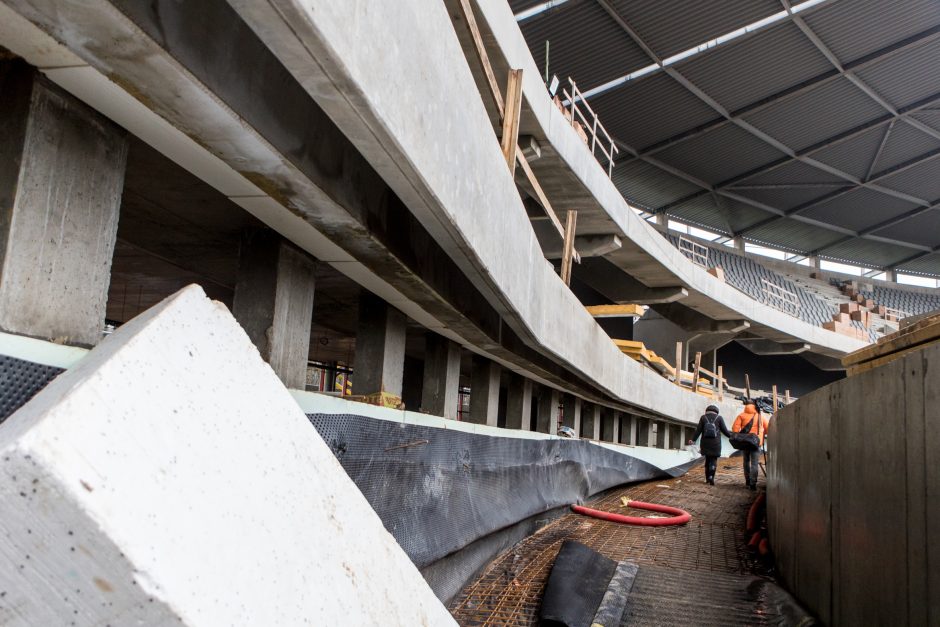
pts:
[170, 478]
[852, 496]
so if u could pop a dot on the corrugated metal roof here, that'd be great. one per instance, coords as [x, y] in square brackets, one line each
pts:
[904, 144]
[825, 111]
[648, 187]
[855, 154]
[858, 209]
[907, 77]
[763, 64]
[793, 236]
[585, 44]
[870, 254]
[673, 26]
[929, 266]
[792, 172]
[650, 109]
[854, 28]
[923, 229]
[726, 219]
[922, 181]
[720, 154]
[784, 198]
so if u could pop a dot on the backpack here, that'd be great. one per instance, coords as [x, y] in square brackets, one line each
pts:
[711, 429]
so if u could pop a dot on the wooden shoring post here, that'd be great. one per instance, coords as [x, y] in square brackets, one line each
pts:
[511, 113]
[747, 387]
[774, 394]
[539, 193]
[467, 12]
[721, 384]
[786, 397]
[695, 373]
[678, 363]
[567, 255]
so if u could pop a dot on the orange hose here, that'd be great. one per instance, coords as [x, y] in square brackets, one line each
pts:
[680, 516]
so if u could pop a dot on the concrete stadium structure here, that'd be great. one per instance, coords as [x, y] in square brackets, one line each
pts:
[335, 175]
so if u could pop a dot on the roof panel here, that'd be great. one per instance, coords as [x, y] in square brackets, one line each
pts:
[793, 236]
[868, 253]
[784, 197]
[927, 265]
[720, 154]
[650, 109]
[727, 219]
[816, 115]
[854, 28]
[858, 209]
[756, 67]
[922, 229]
[793, 172]
[649, 187]
[585, 44]
[907, 77]
[673, 26]
[904, 144]
[853, 155]
[922, 181]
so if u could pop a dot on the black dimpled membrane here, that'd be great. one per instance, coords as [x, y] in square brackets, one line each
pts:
[20, 380]
[437, 490]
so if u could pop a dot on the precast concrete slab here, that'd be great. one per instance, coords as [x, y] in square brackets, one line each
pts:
[170, 478]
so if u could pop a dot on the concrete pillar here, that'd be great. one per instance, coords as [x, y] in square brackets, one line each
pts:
[380, 348]
[814, 263]
[484, 391]
[675, 437]
[615, 418]
[597, 419]
[571, 412]
[891, 275]
[644, 432]
[61, 178]
[662, 435]
[607, 430]
[548, 410]
[662, 219]
[441, 382]
[519, 403]
[627, 429]
[274, 302]
[739, 243]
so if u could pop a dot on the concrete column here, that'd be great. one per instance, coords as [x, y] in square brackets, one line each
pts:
[627, 429]
[662, 219]
[739, 243]
[61, 179]
[519, 403]
[891, 275]
[597, 420]
[548, 410]
[675, 437]
[644, 432]
[484, 391]
[274, 302]
[441, 382]
[615, 418]
[815, 263]
[571, 412]
[607, 430]
[662, 435]
[380, 348]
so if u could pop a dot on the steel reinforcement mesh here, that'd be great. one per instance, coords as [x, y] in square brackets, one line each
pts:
[437, 490]
[509, 591]
[20, 380]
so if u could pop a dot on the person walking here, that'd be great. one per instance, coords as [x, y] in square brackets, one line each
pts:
[710, 426]
[750, 421]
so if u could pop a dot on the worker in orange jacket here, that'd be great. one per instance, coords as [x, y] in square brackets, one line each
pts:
[750, 420]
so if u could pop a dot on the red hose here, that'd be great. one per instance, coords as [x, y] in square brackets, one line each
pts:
[680, 516]
[752, 513]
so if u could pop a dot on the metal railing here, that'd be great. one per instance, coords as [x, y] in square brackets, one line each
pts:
[696, 252]
[595, 133]
[779, 298]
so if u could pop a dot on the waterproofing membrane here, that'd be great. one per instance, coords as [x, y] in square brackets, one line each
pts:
[576, 586]
[20, 380]
[437, 490]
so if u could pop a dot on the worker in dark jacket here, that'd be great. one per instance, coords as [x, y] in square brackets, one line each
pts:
[710, 427]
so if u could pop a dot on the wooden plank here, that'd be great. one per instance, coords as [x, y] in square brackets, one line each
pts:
[567, 255]
[886, 359]
[774, 393]
[747, 387]
[901, 342]
[695, 370]
[483, 58]
[539, 193]
[721, 383]
[678, 363]
[786, 397]
[511, 113]
[616, 311]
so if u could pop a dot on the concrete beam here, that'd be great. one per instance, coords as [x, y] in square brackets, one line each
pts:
[619, 287]
[547, 410]
[133, 488]
[274, 302]
[586, 245]
[61, 178]
[693, 321]
[484, 391]
[760, 346]
[823, 362]
[380, 348]
[519, 403]
[441, 385]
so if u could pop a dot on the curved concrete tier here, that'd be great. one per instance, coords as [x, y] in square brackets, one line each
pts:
[572, 178]
[246, 139]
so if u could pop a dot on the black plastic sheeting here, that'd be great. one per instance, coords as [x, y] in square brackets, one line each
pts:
[437, 490]
[20, 380]
[576, 586]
